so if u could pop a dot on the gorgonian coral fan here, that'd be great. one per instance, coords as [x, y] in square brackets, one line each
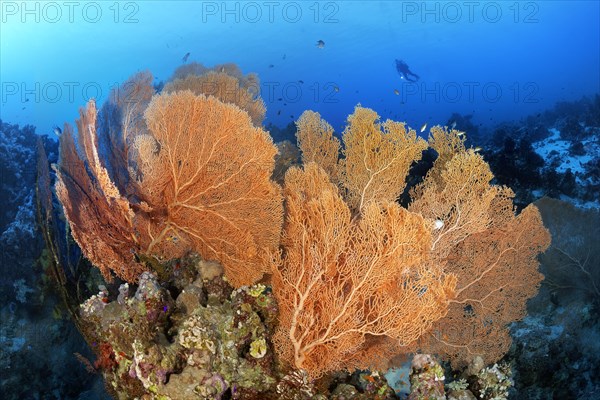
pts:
[198, 180]
[358, 277]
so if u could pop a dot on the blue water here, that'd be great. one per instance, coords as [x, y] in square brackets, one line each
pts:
[495, 60]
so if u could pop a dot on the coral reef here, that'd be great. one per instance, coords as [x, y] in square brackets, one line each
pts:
[426, 379]
[555, 351]
[172, 193]
[492, 383]
[553, 154]
[36, 334]
[17, 217]
[205, 341]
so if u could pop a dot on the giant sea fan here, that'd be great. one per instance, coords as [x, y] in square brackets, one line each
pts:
[199, 180]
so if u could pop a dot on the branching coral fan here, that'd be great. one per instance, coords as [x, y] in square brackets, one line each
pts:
[346, 284]
[361, 278]
[358, 277]
[199, 179]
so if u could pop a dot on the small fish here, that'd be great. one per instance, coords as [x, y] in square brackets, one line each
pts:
[279, 99]
[336, 89]
[279, 112]
[459, 134]
[57, 131]
[271, 65]
[23, 108]
[438, 224]
[301, 82]
[320, 44]
[396, 92]
[424, 127]
[453, 125]
[185, 58]
[477, 149]
[292, 116]
[283, 58]
[369, 378]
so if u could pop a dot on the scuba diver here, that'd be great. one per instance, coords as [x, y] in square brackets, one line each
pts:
[405, 72]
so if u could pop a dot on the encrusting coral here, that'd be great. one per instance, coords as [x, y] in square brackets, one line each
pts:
[206, 341]
[357, 277]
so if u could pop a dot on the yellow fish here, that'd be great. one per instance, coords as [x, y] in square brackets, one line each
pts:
[172, 238]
